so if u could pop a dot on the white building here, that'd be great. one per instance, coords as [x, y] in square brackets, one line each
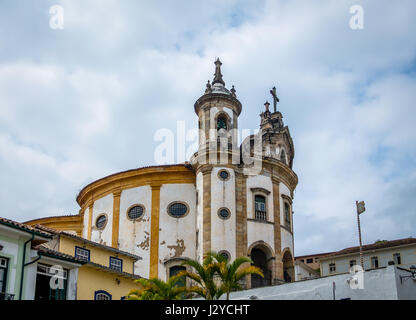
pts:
[400, 252]
[387, 283]
[25, 269]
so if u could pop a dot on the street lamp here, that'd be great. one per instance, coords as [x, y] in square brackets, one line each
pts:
[360, 209]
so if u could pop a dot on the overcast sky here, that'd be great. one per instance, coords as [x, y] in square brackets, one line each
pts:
[83, 102]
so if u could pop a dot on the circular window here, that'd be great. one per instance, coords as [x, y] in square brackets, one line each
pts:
[177, 209]
[101, 221]
[224, 175]
[224, 213]
[225, 254]
[135, 212]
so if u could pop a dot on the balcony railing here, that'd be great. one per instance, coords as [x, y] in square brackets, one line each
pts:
[260, 215]
[6, 296]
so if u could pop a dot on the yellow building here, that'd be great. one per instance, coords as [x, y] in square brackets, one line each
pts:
[108, 273]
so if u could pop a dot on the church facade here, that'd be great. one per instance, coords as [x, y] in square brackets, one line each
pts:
[229, 198]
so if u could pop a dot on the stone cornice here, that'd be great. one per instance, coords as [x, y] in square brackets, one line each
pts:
[152, 176]
[262, 190]
[211, 96]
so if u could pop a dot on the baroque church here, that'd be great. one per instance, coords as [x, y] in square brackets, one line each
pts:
[229, 198]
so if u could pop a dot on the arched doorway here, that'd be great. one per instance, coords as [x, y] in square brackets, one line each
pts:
[288, 267]
[262, 256]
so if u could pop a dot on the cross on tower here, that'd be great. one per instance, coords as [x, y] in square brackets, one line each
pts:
[275, 98]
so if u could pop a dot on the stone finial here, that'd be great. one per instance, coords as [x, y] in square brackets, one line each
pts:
[233, 92]
[217, 74]
[208, 89]
[267, 104]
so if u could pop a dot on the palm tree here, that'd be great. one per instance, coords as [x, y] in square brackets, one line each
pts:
[156, 289]
[231, 274]
[203, 275]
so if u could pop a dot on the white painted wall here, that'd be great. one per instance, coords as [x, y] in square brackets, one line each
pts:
[283, 190]
[223, 232]
[103, 205]
[257, 231]
[342, 264]
[264, 182]
[199, 215]
[380, 284]
[287, 240]
[302, 272]
[85, 223]
[134, 235]
[173, 230]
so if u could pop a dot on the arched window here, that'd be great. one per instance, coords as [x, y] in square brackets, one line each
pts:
[260, 208]
[222, 122]
[102, 295]
[173, 271]
[283, 156]
[287, 215]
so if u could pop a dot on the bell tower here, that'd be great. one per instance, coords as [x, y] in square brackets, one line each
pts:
[215, 164]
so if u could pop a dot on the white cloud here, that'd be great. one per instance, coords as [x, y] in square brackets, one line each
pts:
[85, 101]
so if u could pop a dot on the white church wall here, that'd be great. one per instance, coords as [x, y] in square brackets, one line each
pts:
[134, 235]
[283, 190]
[199, 214]
[342, 263]
[85, 223]
[257, 231]
[177, 236]
[103, 206]
[286, 240]
[223, 196]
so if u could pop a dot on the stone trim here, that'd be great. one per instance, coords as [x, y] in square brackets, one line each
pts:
[278, 270]
[206, 209]
[261, 190]
[154, 232]
[116, 218]
[260, 221]
[241, 214]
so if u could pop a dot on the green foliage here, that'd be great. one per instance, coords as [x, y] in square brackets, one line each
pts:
[232, 274]
[211, 279]
[156, 289]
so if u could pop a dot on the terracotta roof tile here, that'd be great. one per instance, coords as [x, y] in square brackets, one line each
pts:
[23, 227]
[374, 246]
[92, 243]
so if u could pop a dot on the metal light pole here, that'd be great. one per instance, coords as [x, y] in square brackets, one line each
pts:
[360, 209]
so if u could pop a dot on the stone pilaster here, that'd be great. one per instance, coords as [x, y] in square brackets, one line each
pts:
[206, 209]
[241, 214]
[154, 232]
[116, 219]
[277, 273]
